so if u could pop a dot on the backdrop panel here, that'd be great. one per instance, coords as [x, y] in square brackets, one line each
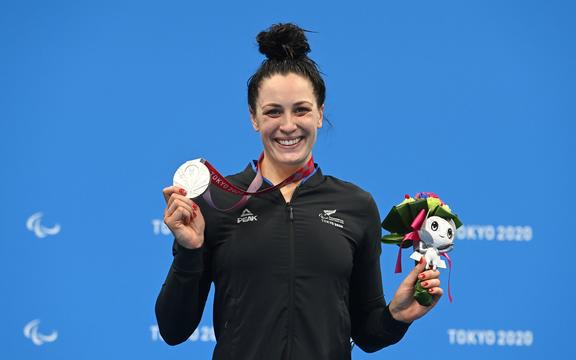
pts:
[101, 101]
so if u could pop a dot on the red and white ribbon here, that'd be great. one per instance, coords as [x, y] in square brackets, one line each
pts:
[222, 183]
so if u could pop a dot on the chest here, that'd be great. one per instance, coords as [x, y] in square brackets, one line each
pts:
[306, 238]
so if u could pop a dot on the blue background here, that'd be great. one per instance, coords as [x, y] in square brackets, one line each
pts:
[100, 102]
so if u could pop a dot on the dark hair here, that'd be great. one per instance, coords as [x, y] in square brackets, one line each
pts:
[285, 47]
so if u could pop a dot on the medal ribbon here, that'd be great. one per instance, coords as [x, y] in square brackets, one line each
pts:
[221, 182]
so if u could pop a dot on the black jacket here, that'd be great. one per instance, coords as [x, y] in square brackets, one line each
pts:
[292, 280]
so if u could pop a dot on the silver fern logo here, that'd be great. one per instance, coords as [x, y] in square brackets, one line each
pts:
[34, 224]
[327, 218]
[31, 332]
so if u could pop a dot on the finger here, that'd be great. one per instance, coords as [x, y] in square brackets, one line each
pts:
[430, 284]
[410, 279]
[429, 274]
[436, 293]
[168, 191]
[182, 215]
[179, 203]
[174, 204]
[168, 213]
[197, 212]
[179, 196]
[187, 217]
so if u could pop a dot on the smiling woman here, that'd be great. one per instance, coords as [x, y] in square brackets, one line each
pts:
[286, 102]
[287, 116]
[297, 270]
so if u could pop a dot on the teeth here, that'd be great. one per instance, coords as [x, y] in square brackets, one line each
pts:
[289, 142]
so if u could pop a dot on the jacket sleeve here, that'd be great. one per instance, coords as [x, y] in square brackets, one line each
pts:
[181, 301]
[373, 327]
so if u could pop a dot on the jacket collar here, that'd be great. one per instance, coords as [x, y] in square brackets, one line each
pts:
[245, 178]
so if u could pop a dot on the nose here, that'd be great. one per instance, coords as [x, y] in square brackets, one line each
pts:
[288, 123]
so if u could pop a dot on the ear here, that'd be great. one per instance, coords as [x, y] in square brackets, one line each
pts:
[321, 111]
[253, 119]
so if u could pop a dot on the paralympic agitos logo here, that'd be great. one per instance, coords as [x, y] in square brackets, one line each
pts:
[34, 224]
[31, 332]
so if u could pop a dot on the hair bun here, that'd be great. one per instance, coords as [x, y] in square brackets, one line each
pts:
[283, 41]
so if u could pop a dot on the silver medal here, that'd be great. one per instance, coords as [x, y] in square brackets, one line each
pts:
[194, 177]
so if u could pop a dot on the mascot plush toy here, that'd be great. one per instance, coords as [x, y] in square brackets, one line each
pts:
[428, 225]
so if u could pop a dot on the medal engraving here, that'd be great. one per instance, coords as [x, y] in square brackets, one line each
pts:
[194, 177]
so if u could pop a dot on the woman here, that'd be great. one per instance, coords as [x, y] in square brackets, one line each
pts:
[297, 270]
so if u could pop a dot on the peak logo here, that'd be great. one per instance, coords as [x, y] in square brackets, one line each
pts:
[246, 216]
[327, 218]
[32, 333]
[34, 224]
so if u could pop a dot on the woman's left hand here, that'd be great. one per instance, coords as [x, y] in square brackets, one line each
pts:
[403, 306]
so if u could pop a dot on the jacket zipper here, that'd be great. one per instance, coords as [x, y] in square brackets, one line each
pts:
[291, 294]
[291, 283]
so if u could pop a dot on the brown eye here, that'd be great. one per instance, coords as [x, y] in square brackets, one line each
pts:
[273, 112]
[450, 233]
[301, 110]
[434, 226]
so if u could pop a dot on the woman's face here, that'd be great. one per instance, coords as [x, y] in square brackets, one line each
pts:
[287, 118]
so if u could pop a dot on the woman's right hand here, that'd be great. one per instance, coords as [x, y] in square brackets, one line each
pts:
[183, 217]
